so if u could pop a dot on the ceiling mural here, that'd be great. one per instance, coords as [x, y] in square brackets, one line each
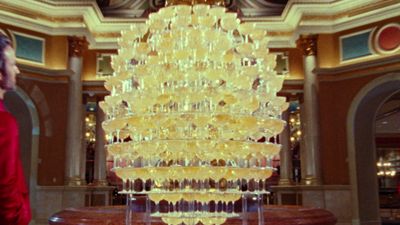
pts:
[261, 8]
[141, 8]
[124, 8]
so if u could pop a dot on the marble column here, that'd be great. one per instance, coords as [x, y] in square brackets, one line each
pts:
[74, 136]
[308, 44]
[285, 154]
[84, 146]
[303, 152]
[100, 153]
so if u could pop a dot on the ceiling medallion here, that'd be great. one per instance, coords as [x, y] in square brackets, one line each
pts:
[194, 2]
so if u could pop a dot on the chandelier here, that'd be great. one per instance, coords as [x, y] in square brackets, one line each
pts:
[385, 168]
[193, 91]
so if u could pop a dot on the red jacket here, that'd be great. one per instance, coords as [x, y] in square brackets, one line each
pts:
[14, 199]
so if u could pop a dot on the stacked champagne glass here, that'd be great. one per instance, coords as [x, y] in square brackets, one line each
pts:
[194, 89]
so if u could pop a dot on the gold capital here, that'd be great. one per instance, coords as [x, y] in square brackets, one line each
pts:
[284, 182]
[74, 181]
[76, 46]
[101, 183]
[311, 180]
[308, 44]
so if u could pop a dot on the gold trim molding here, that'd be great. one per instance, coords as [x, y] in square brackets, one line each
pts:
[107, 35]
[280, 33]
[33, 15]
[76, 17]
[372, 6]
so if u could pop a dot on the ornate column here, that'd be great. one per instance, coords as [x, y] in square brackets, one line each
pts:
[308, 44]
[84, 146]
[74, 151]
[285, 154]
[303, 151]
[100, 154]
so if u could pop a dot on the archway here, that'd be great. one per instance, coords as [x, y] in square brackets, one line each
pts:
[361, 147]
[387, 139]
[22, 107]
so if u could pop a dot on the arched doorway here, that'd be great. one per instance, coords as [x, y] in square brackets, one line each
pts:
[387, 139]
[361, 147]
[22, 107]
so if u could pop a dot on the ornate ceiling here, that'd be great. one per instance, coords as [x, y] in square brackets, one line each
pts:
[141, 8]
[101, 21]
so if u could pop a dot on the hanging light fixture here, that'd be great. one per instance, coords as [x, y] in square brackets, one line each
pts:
[193, 91]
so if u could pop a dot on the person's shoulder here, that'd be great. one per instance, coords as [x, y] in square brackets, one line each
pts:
[7, 121]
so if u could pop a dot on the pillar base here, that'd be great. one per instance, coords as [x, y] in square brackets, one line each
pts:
[75, 181]
[310, 180]
[285, 182]
[100, 182]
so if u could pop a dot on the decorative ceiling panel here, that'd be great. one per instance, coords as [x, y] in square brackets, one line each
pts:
[101, 21]
[141, 8]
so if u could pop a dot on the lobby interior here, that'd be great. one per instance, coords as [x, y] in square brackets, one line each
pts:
[340, 58]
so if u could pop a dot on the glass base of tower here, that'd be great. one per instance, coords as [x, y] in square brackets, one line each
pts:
[141, 208]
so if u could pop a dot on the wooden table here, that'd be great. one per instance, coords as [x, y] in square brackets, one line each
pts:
[115, 215]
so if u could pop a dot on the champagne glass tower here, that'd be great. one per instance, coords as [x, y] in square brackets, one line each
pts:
[194, 88]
